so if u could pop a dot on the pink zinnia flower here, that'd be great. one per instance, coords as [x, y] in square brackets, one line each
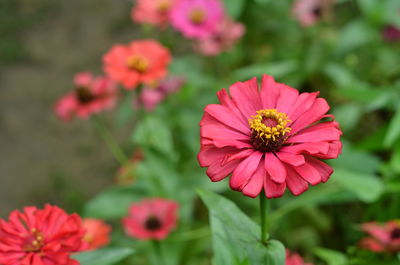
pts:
[382, 237]
[197, 18]
[308, 12]
[36, 237]
[391, 33]
[91, 95]
[151, 219]
[269, 139]
[155, 12]
[294, 259]
[97, 233]
[154, 94]
[227, 34]
[143, 61]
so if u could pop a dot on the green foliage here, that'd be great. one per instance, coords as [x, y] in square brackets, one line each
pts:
[105, 256]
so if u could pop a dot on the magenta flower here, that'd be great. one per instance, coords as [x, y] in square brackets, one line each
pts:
[382, 237]
[197, 18]
[391, 33]
[294, 259]
[227, 34]
[270, 139]
[308, 12]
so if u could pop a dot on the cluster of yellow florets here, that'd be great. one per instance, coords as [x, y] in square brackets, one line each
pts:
[263, 131]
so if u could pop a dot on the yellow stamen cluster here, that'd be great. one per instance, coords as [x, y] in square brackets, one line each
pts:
[37, 241]
[258, 124]
[138, 63]
[163, 6]
[197, 16]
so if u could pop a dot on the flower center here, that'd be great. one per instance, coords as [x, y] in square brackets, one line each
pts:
[163, 6]
[153, 223]
[34, 242]
[84, 95]
[268, 130]
[197, 15]
[137, 63]
[317, 11]
[395, 233]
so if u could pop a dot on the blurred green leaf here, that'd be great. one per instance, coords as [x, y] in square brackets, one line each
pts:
[331, 257]
[234, 7]
[104, 204]
[394, 129]
[367, 187]
[348, 115]
[276, 69]
[105, 256]
[232, 227]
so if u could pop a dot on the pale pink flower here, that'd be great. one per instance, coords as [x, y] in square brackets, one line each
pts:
[308, 12]
[155, 12]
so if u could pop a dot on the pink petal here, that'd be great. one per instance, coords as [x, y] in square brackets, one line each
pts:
[246, 96]
[335, 148]
[243, 172]
[296, 184]
[313, 114]
[226, 101]
[310, 148]
[218, 171]
[288, 96]
[269, 93]
[275, 168]
[220, 131]
[224, 115]
[309, 173]
[239, 155]
[256, 182]
[234, 143]
[324, 170]
[303, 103]
[209, 155]
[273, 189]
[316, 135]
[291, 159]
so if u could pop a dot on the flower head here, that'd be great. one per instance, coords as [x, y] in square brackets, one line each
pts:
[228, 32]
[308, 12]
[40, 236]
[294, 259]
[154, 94]
[391, 33]
[271, 138]
[90, 95]
[197, 18]
[155, 12]
[382, 237]
[143, 61]
[97, 233]
[151, 219]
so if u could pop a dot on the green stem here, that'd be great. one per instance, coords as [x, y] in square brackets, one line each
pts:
[109, 139]
[158, 252]
[264, 208]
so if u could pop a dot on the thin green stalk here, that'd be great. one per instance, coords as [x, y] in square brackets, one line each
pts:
[109, 139]
[264, 208]
[158, 252]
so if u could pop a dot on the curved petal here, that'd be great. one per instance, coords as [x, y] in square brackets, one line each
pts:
[275, 168]
[243, 172]
[213, 131]
[256, 182]
[309, 174]
[324, 170]
[226, 101]
[296, 184]
[273, 189]
[312, 135]
[313, 114]
[224, 115]
[287, 97]
[246, 96]
[269, 93]
[302, 104]
[291, 159]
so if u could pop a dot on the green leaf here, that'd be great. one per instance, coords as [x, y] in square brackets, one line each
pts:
[234, 7]
[348, 115]
[276, 69]
[394, 129]
[368, 188]
[331, 257]
[105, 256]
[238, 235]
[104, 204]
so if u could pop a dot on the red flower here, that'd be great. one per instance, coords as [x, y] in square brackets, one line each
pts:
[143, 61]
[382, 237]
[151, 219]
[294, 259]
[90, 96]
[97, 233]
[155, 12]
[40, 237]
[269, 139]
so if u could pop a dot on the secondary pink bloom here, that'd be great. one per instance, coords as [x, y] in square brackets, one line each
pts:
[97, 233]
[155, 12]
[271, 138]
[154, 94]
[151, 219]
[197, 18]
[91, 95]
[143, 61]
[227, 34]
[382, 237]
[294, 259]
[391, 33]
[308, 12]
[40, 237]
